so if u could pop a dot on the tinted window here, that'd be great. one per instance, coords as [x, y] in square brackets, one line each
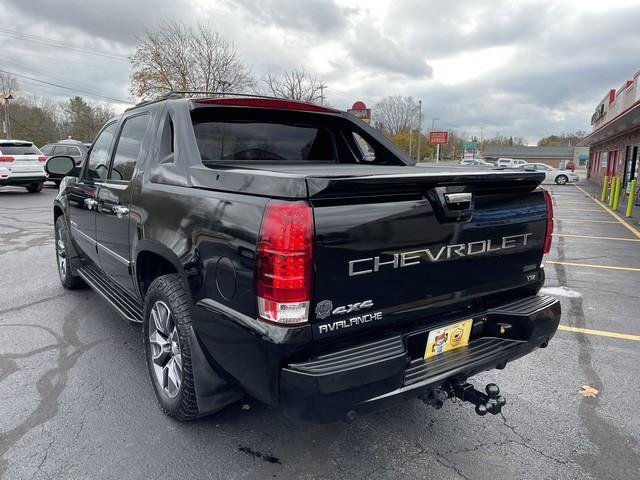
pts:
[252, 141]
[8, 149]
[366, 151]
[99, 156]
[47, 150]
[128, 149]
[67, 150]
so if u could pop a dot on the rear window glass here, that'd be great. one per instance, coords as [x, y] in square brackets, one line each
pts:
[256, 141]
[19, 150]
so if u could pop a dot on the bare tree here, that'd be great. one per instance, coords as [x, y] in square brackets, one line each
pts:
[396, 114]
[178, 57]
[8, 84]
[295, 84]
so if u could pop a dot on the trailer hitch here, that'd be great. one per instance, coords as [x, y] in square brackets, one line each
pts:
[491, 402]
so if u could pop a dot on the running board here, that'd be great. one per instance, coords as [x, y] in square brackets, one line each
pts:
[122, 301]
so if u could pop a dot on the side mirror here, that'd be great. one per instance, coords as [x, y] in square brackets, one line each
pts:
[60, 165]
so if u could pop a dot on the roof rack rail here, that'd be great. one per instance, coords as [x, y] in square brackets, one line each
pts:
[154, 100]
[220, 94]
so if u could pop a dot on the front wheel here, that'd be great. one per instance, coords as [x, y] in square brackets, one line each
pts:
[34, 187]
[561, 179]
[167, 321]
[67, 278]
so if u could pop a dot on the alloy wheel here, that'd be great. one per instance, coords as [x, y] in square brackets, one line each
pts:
[62, 258]
[165, 349]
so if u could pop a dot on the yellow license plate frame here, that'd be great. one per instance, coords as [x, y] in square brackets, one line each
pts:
[447, 338]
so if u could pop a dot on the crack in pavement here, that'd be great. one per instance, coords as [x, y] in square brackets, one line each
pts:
[35, 302]
[53, 382]
[604, 436]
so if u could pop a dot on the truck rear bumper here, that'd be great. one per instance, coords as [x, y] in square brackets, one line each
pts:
[378, 374]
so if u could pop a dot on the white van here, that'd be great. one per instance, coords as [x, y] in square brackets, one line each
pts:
[510, 162]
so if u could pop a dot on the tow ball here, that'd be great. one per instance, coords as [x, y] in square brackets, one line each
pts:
[491, 402]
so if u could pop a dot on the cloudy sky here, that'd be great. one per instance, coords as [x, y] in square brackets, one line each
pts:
[522, 68]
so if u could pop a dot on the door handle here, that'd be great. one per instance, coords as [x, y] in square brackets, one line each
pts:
[90, 203]
[119, 210]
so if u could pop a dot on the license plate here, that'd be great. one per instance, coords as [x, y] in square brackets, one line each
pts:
[448, 338]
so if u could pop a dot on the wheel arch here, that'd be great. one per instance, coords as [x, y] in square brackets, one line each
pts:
[153, 260]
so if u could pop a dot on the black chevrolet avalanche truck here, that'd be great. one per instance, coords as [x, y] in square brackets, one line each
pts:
[291, 252]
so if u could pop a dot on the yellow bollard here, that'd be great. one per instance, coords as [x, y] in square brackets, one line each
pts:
[612, 191]
[632, 197]
[616, 199]
[604, 188]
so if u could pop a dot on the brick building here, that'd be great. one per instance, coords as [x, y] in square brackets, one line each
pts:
[615, 138]
[552, 156]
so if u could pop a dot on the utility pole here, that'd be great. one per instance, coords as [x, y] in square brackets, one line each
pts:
[7, 124]
[322, 86]
[419, 128]
[410, 140]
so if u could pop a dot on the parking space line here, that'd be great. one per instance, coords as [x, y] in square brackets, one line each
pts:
[580, 220]
[610, 212]
[597, 238]
[580, 210]
[601, 333]
[589, 265]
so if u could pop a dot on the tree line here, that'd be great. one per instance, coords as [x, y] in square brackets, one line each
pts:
[42, 120]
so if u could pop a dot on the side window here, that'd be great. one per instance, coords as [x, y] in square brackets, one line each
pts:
[47, 150]
[366, 150]
[99, 156]
[128, 149]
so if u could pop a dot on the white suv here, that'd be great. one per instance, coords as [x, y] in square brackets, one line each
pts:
[22, 165]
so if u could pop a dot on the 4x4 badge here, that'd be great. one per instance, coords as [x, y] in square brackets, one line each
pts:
[323, 309]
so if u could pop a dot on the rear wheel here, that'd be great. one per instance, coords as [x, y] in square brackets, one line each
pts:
[34, 187]
[561, 179]
[167, 320]
[67, 278]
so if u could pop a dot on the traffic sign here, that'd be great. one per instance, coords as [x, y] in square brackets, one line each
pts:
[438, 138]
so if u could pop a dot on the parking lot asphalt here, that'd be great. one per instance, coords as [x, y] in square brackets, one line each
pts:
[76, 403]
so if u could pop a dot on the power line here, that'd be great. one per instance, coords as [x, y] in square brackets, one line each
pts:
[59, 44]
[86, 92]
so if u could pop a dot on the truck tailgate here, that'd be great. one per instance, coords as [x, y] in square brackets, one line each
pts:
[391, 250]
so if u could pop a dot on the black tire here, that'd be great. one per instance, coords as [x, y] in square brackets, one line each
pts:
[561, 179]
[179, 401]
[67, 278]
[34, 187]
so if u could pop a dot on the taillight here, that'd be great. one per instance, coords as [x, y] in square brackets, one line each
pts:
[6, 158]
[548, 236]
[41, 158]
[285, 263]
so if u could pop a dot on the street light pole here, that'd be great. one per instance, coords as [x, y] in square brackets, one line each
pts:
[419, 128]
[433, 127]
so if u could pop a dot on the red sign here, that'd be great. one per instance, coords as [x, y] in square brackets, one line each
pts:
[360, 110]
[441, 138]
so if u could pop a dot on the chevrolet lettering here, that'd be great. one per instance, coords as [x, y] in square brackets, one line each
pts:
[446, 252]
[237, 257]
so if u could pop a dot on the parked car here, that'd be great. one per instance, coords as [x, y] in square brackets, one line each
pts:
[557, 175]
[72, 148]
[510, 162]
[475, 161]
[304, 270]
[21, 165]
